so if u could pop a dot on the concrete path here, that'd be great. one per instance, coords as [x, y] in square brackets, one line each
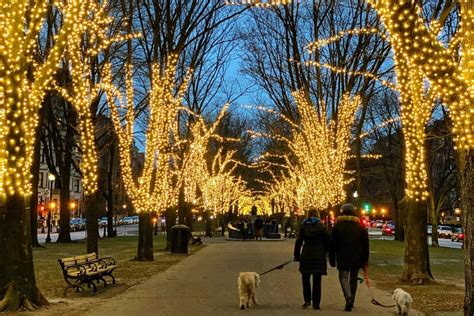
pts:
[206, 284]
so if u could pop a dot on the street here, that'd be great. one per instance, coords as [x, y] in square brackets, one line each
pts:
[132, 230]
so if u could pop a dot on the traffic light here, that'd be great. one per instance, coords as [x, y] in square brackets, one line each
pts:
[367, 207]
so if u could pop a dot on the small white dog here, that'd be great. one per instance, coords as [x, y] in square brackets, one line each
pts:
[247, 282]
[403, 300]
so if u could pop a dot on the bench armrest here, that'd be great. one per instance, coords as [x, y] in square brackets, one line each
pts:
[107, 261]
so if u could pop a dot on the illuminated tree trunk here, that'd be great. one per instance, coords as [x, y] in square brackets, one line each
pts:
[35, 169]
[91, 223]
[416, 268]
[145, 238]
[465, 159]
[466, 185]
[17, 278]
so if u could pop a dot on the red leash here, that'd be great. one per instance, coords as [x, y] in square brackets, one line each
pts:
[373, 301]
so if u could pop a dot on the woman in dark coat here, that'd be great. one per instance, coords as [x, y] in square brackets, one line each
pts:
[315, 240]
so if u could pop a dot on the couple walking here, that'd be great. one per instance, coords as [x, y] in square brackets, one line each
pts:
[348, 247]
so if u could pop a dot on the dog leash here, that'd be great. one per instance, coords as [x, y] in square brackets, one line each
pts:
[373, 301]
[279, 267]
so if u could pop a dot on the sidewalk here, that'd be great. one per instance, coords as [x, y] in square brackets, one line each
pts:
[205, 284]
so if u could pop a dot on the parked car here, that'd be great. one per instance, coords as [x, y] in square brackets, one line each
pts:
[458, 235]
[445, 231]
[102, 222]
[77, 224]
[128, 220]
[388, 231]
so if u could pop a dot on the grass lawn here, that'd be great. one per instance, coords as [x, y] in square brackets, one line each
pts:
[129, 272]
[446, 293]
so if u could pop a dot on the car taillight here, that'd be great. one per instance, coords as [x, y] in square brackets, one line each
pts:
[461, 235]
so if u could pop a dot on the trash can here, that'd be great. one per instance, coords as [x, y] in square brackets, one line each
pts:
[179, 239]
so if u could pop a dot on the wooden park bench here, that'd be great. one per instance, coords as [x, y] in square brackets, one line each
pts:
[86, 269]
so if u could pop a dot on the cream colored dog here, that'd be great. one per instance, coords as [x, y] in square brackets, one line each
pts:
[247, 282]
[403, 300]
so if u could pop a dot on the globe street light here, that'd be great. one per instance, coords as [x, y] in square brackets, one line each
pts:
[51, 179]
[72, 205]
[355, 195]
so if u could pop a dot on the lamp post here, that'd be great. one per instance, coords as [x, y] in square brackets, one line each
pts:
[51, 179]
[355, 195]
[72, 206]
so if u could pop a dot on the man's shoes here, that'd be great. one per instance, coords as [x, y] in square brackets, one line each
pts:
[316, 307]
[348, 307]
[306, 304]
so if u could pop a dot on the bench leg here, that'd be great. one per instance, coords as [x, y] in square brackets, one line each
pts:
[73, 286]
[91, 284]
[111, 276]
[103, 280]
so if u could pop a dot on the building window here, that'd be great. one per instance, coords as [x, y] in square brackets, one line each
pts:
[40, 180]
[76, 185]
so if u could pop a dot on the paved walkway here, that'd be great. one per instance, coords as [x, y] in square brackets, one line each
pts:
[205, 284]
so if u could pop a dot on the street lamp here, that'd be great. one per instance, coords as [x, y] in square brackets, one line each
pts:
[51, 179]
[355, 195]
[72, 206]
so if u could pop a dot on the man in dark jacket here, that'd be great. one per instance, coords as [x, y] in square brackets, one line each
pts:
[315, 240]
[350, 249]
[258, 228]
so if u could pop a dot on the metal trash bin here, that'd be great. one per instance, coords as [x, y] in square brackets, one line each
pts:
[179, 239]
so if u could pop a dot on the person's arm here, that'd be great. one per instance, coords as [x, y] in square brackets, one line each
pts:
[365, 248]
[298, 244]
[332, 247]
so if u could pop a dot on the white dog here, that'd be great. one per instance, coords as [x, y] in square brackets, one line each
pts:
[403, 300]
[247, 282]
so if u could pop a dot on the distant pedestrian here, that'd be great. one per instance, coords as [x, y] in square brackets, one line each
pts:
[244, 229]
[258, 228]
[350, 250]
[315, 240]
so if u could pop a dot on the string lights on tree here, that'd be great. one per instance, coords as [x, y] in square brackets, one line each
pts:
[24, 81]
[153, 189]
[316, 170]
[220, 188]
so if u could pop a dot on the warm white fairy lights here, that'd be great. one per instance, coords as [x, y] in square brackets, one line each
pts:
[220, 188]
[315, 169]
[23, 81]
[419, 46]
[82, 92]
[153, 189]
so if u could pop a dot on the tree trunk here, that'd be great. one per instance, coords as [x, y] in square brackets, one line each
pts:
[17, 278]
[466, 184]
[110, 192]
[398, 219]
[207, 219]
[434, 221]
[65, 194]
[189, 216]
[181, 206]
[145, 238]
[416, 268]
[170, 216]
[91, 223]
[35, 169]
